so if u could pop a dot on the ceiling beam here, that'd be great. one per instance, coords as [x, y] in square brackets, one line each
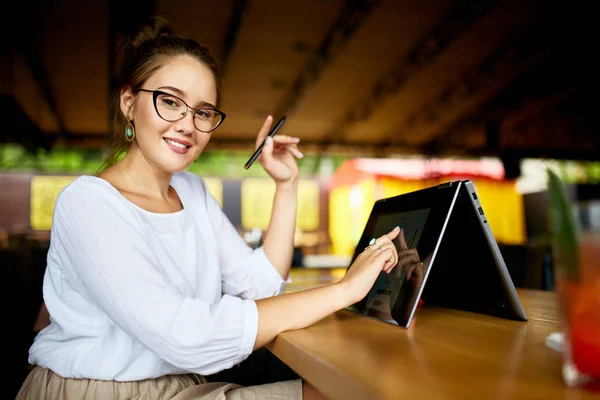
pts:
[19, 128]
[352, 17]
[7, 54]
[426, 50]
[521, 52]
[555, 125]
[28, 46]
[568, 65]
[235, 22]
[537, 107]
[16, 33]
[543, 81]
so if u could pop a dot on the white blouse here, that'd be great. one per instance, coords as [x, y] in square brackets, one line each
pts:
[134, 294]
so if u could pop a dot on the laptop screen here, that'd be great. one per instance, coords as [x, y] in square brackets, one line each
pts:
[444, 223]
[394, 294]
[420, 216]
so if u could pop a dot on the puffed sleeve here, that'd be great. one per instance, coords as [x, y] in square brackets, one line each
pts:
[106, 250]
[246, 272]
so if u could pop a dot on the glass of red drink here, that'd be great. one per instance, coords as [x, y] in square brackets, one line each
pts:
[576, 251]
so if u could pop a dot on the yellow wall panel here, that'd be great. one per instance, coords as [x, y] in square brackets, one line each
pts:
[44, 190]
[349, 210]
[257, 203]
[215, 187]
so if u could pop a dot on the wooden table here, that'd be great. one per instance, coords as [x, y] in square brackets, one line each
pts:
[445, 354]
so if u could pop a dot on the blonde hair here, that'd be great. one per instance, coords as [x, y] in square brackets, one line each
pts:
[152, 46]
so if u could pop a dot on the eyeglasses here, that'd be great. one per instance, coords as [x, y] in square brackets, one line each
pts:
[171, 108]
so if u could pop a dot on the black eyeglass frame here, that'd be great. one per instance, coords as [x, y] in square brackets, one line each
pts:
[156, 93]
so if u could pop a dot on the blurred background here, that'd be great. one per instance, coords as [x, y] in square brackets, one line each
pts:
[387, 96]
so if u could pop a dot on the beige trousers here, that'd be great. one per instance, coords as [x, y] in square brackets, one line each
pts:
[43, 384]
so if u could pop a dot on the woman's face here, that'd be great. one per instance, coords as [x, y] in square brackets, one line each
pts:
[171, 146]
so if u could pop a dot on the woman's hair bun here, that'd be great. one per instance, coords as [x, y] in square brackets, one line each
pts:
[154, 28]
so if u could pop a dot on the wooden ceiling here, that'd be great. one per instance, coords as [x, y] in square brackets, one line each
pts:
[512, 78]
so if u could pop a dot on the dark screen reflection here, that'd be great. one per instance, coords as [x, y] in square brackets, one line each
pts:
[393, 296]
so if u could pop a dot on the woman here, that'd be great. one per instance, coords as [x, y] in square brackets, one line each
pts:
[148, 285]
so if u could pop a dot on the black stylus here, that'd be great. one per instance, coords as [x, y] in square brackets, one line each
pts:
[259, 150]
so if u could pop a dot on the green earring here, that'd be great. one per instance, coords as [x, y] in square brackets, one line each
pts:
[129, 132]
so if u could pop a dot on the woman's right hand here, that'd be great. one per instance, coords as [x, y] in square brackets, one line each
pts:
[381, 256]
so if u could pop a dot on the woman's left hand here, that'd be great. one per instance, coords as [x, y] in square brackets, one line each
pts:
[277, 157]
